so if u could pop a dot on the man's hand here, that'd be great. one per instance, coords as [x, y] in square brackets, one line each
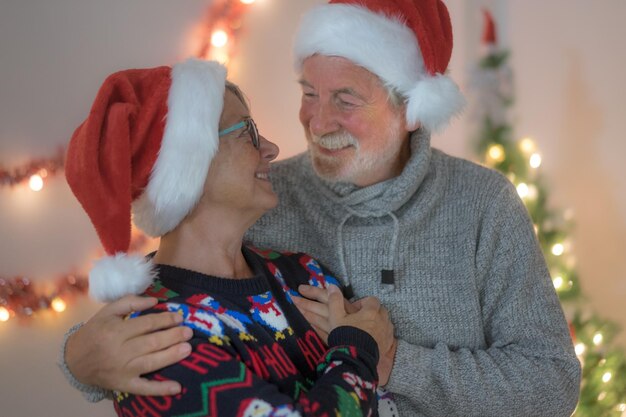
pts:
[385, 364]
[367, 314]
[112, 353]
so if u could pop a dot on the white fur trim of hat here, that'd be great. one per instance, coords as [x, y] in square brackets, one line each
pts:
[386, 47]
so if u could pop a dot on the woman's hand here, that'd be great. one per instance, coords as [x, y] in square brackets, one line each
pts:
[111, 352]
[315, 308]
[327, 309]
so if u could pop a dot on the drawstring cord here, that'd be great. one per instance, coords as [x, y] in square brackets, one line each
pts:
[387, 276]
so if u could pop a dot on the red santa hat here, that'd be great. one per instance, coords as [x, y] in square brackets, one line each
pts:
[489, 29]
[406, 43]
[145, 148]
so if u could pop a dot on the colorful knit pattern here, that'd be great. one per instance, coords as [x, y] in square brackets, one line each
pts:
[253, 352]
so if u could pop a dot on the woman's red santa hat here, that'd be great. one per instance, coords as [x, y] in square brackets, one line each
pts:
[145, 148]
[406, 43]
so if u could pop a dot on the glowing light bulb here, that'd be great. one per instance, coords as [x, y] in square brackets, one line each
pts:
[558, 249]
[535, 160]
[247, 1]
[602, 396]
[606, 377]
[219, 38]
[36, 182]
[580, 348]
[597, 338]
[558, 282]
[522, 190]
[496, 153]
[621, 407]
[527, 145]
[4, 314]
[58, 305]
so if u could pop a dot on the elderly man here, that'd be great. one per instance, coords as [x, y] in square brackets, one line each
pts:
[446, 245]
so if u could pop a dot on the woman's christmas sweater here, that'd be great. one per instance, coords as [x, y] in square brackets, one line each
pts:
[253, 353]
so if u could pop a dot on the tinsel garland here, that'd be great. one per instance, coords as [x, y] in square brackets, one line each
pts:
[44, 167]
[24, 298]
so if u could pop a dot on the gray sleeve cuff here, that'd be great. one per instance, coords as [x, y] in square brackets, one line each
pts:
[90, 393]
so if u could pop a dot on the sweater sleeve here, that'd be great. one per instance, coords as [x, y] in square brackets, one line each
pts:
[217, 381]
[528, 366]
[89, 392]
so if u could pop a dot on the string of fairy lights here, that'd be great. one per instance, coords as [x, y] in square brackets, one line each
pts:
[22, 298]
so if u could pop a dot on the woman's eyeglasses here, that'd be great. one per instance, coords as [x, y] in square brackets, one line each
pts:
[250, 127]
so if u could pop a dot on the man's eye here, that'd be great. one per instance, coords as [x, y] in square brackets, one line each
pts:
[347, 101]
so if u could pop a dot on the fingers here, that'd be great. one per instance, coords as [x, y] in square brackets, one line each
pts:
[158, 341]
[385, 363]
[316, 313]
[127, 305]
[370, 303]
[336, 309]
[314, 293]
[317, 321]
[149, 323]
[350, 307]
[309, 306]
[142, 386]
[151, 362]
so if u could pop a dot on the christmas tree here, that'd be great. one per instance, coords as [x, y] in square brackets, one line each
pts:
[603, 386]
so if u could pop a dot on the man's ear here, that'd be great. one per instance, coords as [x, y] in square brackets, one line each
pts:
[412, 127]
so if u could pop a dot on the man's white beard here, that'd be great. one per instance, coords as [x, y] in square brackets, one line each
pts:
[336, 169]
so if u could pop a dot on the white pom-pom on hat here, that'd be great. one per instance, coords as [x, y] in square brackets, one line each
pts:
[433, 102]
[115, 276]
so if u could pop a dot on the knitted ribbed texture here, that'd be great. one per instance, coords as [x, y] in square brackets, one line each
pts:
[481, 329]
[90, 393]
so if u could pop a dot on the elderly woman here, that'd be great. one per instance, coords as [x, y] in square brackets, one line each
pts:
[177, 148]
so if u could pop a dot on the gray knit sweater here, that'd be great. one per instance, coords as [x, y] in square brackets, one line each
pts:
[480, 328]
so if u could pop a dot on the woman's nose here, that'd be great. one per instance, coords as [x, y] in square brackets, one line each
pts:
[269, 150]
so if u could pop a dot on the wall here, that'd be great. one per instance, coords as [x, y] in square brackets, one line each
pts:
[56, 54]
